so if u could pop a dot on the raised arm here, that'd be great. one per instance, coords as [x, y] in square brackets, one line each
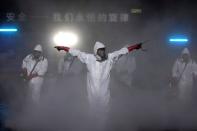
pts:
[82, 56]
[117, 54]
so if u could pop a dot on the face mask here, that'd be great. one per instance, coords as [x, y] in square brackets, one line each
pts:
[185, 58]
[36, 55]
[101, 53]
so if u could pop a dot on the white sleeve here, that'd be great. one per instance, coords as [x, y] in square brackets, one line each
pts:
[114, 56]
[82, 56]
[175, 72]
[195, 68]
[43, 68]
[24, 63]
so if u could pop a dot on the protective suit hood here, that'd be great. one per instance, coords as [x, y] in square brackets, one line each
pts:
[97, 46]
[185, 51]
[38, 48]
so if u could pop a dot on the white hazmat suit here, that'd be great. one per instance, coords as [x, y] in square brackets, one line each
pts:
[98, 76]
[40, 69]
[99, 66]
[184, 73]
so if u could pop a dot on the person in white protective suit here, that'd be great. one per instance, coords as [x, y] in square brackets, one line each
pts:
[99, 66]
[184, 73]
[34, 67]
